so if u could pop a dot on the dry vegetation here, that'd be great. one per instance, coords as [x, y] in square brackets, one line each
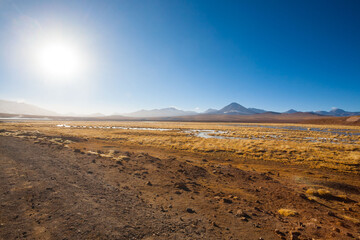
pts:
[287, 212]
[331, 147]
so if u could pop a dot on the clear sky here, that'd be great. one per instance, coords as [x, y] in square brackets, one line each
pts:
[146, 54]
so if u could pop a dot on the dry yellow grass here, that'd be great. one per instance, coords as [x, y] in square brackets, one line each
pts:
[351, 219]
[315, 194]
[272, 142]
[318, 192]
[287, 212]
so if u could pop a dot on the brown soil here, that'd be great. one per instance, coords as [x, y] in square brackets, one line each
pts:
[51, 192]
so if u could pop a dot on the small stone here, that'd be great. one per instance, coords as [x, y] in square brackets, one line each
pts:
[190, 210]
[182, 185]
[257, 209]
[244, 219]
[278, 232]
[225, 200]
[149, 183]
[332, 214]
[294, 235]
[241, 213]
[349, 235]
[214, 224]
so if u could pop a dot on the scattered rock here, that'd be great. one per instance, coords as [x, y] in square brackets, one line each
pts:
[294, 235]
[241, 213]
[226, 200]
[214, 224]
[149, 183]
[182, 186]
[190, 210]
[332, 214]
[244, 219]
[350, 235]
[280, 233]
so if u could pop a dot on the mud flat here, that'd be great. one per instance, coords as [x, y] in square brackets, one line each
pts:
[133, 182]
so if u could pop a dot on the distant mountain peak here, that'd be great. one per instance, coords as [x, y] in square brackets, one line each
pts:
[163, 112]
[234, 104]
[337, 112]
[235, 108]
[211, 110]
[291, 111]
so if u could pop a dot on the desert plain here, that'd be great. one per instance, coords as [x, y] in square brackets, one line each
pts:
[178, 180]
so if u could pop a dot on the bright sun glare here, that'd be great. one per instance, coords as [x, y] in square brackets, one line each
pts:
[59, 61]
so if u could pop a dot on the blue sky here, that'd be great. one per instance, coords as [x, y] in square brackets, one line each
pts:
[274, 55]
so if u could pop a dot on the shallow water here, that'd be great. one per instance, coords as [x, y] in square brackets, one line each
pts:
[340, 131]
[210, 133]
[111, 127]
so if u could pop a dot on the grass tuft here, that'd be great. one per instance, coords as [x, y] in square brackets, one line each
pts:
[287, 212]
[312, 195]
[351, 219]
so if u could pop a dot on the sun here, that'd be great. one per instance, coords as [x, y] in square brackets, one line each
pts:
[59, 60]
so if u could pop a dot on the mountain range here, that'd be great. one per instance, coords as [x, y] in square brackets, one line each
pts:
[164, 112]
[11, 107]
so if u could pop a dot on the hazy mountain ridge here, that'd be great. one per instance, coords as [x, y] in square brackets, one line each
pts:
[210, 111]
[338, 113]
[257, 110]
[164, 112]
[11, 107]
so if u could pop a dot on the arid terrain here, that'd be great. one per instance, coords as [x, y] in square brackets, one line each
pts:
[179, 180]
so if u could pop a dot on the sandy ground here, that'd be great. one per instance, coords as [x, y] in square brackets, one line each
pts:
[51, 192]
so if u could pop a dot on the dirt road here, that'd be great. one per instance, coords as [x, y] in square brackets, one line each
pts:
[51, 192]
